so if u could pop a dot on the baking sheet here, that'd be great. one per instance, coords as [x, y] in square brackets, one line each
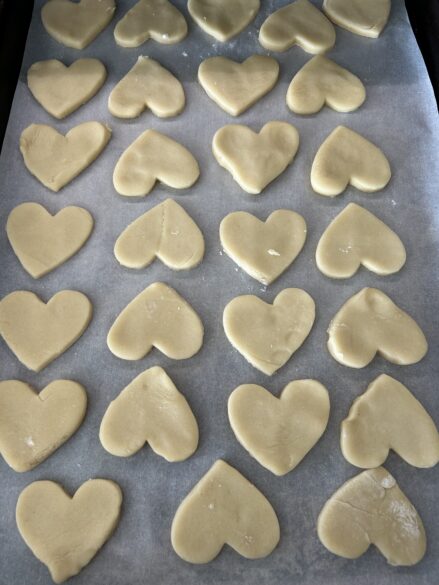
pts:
[400, 116]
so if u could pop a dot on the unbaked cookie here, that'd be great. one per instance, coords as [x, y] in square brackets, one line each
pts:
[223, 19]
[362, 18]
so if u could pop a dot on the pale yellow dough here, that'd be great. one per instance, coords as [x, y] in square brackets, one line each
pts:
[154, 157]
[234, 86]
[166, 232]
[357, 237]
[263, 249]
[147, 85]
[65, 532]
[54, 159]
[223, 19]
[150, 410]
[224, 508]
[388, 416]
[268, 335]
[255, 159]
[370, 509]
[299, 23]
[42, 241]
[158, 317]
[279, 432]
[370, 323]
[32, 425]
[36, 332]
[365, 18]
[344, 158]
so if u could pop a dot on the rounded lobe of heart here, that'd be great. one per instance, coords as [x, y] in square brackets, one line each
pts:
[299, 23]
[147, 85]
[158, 317]
[279, 432]
[255, 159]
[150, 410]
[158, 20]
[64, 532]
[344, 158]
[357, 237]
[61, 90]
[223, 19]
[36, 332]
[268, 335]
[388, 416]
[154, 157]
[370, 509]
[367, 19]
[263, 249]
[370, 323]
[224, 508]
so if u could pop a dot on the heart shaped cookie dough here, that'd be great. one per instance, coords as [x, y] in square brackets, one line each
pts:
[362, 18]
[154, 157]
[370, 509]
[60, 89]
[54, 159]
[65, 532]
[150, 410]
[32, 425]
[357, 237]
[344, 158]
[388, 416]
[158, 317]
[322, 82]
[76, 24]
[223, 19]
[235, 87]
[167, 232]
[370, 323]
[255, 159]
[147, 85]
[299, 23]
[268, 335]
[42, 241]
[263, 249]
[279, 432]
[36, 332]
[158, 20]
[224, 508]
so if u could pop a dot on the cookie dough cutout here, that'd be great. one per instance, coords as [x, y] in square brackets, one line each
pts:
[76, 24]
[356, 237]
[367, 19]
[150, 158]
[64, 532]
[223, 19]
[370, 509]
[32, 425]
[255, 159]
[166, 232]
[224, 508]
[36, 332]
[158, 20]
[388, 416]
[55, 159]
[268, 335]
[279, 432]
[264, 250]
[150, 410]
[147, 85]
[370, 323]
[346, 158]
[299, 23]
[158, 317]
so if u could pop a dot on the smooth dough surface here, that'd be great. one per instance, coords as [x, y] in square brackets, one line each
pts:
[223, 19]
[224, 508]
[158, 317]
[38, 332]
[266, 334]
[362, 18]
[370, 509]
[370, 323]
[65, 532]
[279, 432]
[264, 249]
